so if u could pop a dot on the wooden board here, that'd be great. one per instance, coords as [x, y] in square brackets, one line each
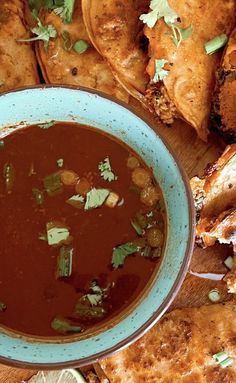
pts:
[194, 156]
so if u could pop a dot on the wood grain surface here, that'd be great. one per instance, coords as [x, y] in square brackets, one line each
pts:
[194, 156]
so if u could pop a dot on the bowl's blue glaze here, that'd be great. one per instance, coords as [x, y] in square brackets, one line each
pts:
[68, 104]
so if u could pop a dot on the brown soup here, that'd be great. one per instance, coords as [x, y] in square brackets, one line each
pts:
[82, 228]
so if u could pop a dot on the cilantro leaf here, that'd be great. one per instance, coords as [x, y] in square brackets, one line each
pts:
[43, 32]
[56, 234]
[160, 72]
[159, 8]
[121, 252]
[66, 11]
[106, 171]
[95, 198]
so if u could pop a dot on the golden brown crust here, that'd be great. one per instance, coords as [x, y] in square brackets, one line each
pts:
[225, 95]
[179, 349]
[191, 78]
[68, 67]
[116, 32]
[18, 63]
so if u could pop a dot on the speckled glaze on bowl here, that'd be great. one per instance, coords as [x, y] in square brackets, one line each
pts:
[40, 104]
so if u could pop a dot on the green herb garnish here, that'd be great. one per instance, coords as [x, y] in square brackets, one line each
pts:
[160, 8]
[215, 44]
[1, 144]
[3, 306]
[180, 34]
[2, 82]
[106, 170]
[146, 251]
[44, 33]
[160, 72]
[223, 359]
[56, 234]
[8, 175]
[76, 201]
[46, 125]
[60, 162]
[64, 262]
[64, 326]
[65, 11]
[214, 295]
[53, 184]
[67, 43]
[97, 294]
[39, 196]
[136, 226]
[121, 252]
[80, 46]
[95, 198]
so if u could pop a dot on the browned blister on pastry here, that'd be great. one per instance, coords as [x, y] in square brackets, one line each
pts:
[117, 33]
[224, 102]
[180, 349]
[17, 60]
[60, 64]
[186, 90]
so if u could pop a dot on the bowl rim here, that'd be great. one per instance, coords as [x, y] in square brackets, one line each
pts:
[186, 259]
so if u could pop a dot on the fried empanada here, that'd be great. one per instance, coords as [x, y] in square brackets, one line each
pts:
[224, 103]
[186, 88]
[180, 349]
[117, 33]
[18, 65]
[60, 64]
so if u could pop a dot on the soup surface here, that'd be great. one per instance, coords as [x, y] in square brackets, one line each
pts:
[82, 228]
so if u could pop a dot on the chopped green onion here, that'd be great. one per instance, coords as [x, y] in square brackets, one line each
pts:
[223, 359]
[220, 356]
[60, 162]
[64, 262]
[2, 82]
[80, 46]
[136, 227]
[39, 196]
[53, 184]
[227, 362]
[146, 252]
[215, 44]
[46, 125]
[1, 143]
[90, 312]
[64, 326]
[8, 175]
[214, 295]
[229, 262]
[3, 306]
[67, 43]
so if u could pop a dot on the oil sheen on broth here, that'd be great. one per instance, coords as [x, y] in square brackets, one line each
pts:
[82, 228]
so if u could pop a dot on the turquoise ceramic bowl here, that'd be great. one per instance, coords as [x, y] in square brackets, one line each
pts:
[30, 106]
